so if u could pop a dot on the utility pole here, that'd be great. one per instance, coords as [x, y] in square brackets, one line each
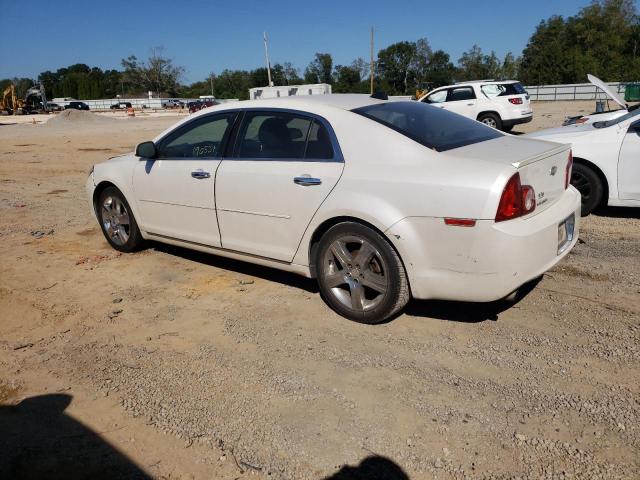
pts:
[371, 62]
[266, 55]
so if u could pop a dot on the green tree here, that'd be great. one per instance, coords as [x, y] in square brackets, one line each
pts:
[157, 74]
[320, 70]
[394, 67]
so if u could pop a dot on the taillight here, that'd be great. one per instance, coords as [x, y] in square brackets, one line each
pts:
[567, 171]
[516, 101]
[516, 200]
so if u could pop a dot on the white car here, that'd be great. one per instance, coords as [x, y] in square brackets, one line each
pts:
[606, 156]
[600, 116]
[378, 200]
[499, 104]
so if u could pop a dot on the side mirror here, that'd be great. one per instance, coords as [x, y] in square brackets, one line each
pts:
[146, 150]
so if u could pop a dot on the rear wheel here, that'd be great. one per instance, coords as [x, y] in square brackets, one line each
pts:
[588, 183]
[360, 275]
[491, 119]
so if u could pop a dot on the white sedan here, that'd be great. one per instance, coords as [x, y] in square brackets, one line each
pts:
[606, 156]
[378, 200]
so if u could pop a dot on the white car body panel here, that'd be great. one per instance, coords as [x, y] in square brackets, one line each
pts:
[614, 150]
[604, 116]
[387, 180]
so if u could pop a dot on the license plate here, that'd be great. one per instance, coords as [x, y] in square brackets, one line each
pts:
[565, 233]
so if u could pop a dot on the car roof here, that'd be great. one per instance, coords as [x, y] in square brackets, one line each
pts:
[342, 101]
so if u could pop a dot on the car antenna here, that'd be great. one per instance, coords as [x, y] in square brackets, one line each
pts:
[380, 95]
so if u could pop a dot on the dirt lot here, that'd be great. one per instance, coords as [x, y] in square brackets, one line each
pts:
[174, 364]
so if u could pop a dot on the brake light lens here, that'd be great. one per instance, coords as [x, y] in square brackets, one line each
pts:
[516, 200]
[516, 101]
[567, 172]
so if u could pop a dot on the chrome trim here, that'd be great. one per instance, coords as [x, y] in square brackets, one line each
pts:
[306, 181]
[261, 214]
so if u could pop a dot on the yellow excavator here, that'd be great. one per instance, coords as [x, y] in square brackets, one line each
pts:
[10, 102]
[13, 105]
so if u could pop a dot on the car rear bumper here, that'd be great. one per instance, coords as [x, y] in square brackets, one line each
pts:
[517, 121]
[485, 262]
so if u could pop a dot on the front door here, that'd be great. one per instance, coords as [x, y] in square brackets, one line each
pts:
[629, 164]
[284, 166]
[175, 191]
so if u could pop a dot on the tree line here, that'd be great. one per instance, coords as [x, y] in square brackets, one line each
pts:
[602, 39]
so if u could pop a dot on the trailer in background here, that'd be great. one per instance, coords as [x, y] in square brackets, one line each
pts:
[289, 91]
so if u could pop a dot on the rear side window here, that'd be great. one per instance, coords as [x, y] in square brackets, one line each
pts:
[432, 127]
[273, 135]
[318, 143]
[461, 93]
[502, 89]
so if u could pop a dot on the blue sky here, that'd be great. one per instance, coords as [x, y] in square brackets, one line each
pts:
[211, 35]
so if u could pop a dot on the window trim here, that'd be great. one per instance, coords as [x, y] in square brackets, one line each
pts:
[225, 139]
[233, 152]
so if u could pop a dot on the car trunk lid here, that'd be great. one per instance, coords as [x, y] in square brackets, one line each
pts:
[541, 164]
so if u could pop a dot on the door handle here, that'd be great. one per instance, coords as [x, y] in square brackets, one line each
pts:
[200, 174]
[307, 181]
[470, 104]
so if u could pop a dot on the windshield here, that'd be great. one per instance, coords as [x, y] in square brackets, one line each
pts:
[615, 121]
[430, 126]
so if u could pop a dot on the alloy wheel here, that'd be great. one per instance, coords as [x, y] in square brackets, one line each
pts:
[115, 220]
[355, 273]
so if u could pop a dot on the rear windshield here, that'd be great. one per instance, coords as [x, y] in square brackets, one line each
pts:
[430, 126]
[502, 89]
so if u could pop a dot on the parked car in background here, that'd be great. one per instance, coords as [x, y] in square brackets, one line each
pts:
[54, 107]
[499, 104]
[200, 104]
[604, 115]
[377, 200]
[606, 156]
[120, 106]
[76, 106]
[173, 103]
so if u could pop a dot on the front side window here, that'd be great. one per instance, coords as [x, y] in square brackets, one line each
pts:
[462, 93]
[273, 135]
[437, 97]
[201, 138]
[432, 127]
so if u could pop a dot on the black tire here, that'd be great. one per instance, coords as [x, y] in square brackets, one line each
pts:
[370, 274]
[112, 209]
[588, 183]
[491, 119]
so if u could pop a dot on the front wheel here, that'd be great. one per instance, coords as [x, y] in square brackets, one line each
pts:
[116, 219]
[360, 275]
[588, 183]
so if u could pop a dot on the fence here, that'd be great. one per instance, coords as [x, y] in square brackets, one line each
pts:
[576, 91]
[137, 103]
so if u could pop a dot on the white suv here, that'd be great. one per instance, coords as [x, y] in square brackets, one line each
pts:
[499, 104]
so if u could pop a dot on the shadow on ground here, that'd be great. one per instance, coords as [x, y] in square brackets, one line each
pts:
[618, 212]
[38, 440]
[238, 266]
[374, 467]
[467, 312]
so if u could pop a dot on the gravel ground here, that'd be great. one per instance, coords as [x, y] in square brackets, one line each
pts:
[193, 366]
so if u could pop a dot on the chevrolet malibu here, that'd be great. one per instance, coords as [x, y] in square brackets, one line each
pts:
[379, 201]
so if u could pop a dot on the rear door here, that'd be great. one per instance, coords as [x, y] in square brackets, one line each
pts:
[283, 167]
